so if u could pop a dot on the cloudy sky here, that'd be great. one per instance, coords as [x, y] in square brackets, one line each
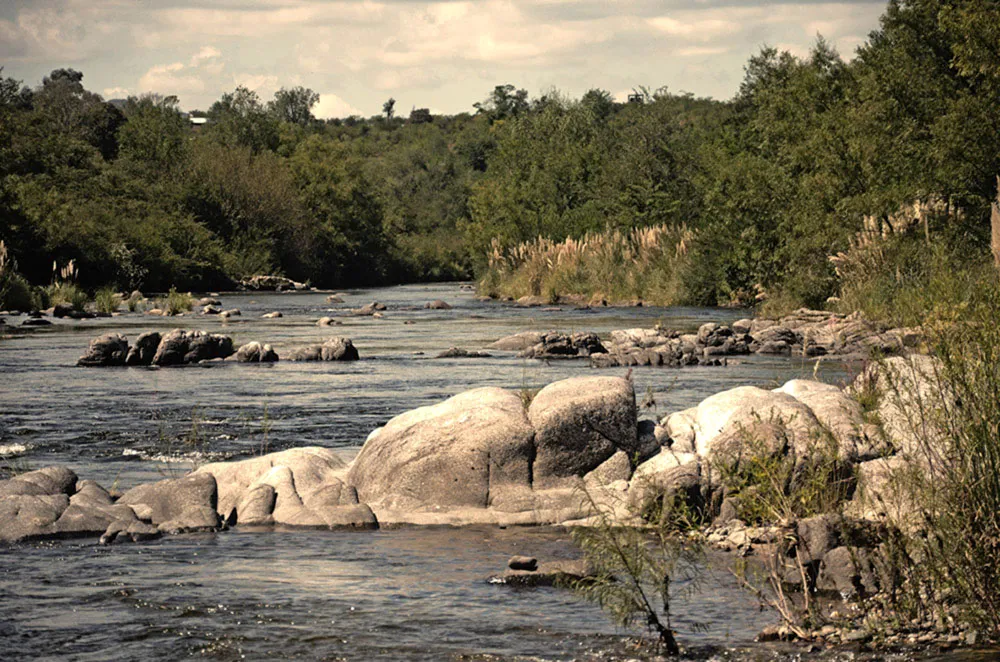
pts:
[441, 55]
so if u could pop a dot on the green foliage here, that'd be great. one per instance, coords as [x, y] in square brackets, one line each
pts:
[639, 568]
[772, 484]
[15, 292]
[107, 300]
[771, 183]
[951, 470]
[294, 106]
[69, 293]
[155, 133]
[176, 302]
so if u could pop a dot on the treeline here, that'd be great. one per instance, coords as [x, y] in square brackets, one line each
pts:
[139, 196]
[763, 187]
[773, 182]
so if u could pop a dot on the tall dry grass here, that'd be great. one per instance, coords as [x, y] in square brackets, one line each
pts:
[644, 263]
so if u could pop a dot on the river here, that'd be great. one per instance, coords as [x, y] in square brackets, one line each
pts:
[397, 594]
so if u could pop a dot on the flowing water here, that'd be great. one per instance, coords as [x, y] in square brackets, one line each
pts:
[393, 594]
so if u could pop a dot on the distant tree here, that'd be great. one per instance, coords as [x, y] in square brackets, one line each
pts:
[154, 131]
[13, 95]
[294, 106]
[504, 102]
[420, 116]
[389, 108]
[600, 103]
[240, 119]
[65, 107]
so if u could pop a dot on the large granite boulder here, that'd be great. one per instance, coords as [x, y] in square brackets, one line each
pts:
[254, 352]
[579, 423]
[837, 411]
[729, 414]
[518, 341]
[297, 487]
[177, 504]
[50, 503]
[111, 349]
[45, 481]
[471, 451]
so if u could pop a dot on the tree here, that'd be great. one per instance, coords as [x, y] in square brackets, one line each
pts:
[389, 108]
[505, 101]
[420, 116]
[294, 106]
[239, 119]
[154, 132]
[64, 106]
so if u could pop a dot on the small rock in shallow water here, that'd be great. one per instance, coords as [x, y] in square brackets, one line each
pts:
[529, 563]
[458, 353]
[555, 573]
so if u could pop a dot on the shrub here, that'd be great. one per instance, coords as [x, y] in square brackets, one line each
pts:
[65, 292]
[107, 300]
[640, 562]
[950, 474]
[176, 302]
[645, 263]
[134, 301]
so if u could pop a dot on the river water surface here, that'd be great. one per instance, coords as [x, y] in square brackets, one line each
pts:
[390, 595]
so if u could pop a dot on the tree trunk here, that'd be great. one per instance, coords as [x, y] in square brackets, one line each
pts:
[995, 228]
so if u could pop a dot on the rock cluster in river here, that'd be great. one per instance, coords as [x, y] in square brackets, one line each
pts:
[492, 455]
[177, 347]
[807, 333]
[180, 347]
[271, 284]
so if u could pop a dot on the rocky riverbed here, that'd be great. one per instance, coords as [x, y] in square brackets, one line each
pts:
[129, 428]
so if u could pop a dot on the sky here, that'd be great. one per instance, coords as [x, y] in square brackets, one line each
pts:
[439, 55]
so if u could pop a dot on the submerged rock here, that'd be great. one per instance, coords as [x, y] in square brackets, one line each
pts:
[553, 573]
[333, 349]
[458, 353]
[369, 309]
[254, 352]
[271, 284]
[437, 304]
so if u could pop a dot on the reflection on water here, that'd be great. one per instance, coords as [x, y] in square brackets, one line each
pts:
[393, 595]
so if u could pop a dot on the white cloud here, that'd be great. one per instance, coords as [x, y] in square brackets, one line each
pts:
[330, 105]
[172, 78]
[206, 53]
[694, 28]
[442, 53]
[115, 93]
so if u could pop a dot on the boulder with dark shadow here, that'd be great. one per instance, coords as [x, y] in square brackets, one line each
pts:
[111, 349]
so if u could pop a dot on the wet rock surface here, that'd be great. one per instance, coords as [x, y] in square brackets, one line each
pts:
[808, 333]
[332, 349]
